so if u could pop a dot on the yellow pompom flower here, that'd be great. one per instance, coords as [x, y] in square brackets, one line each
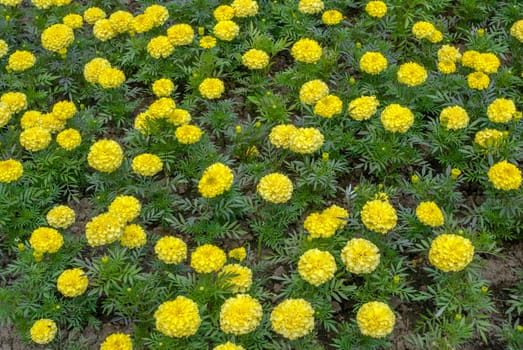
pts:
[364, 107]
[306, 50]
[188, 134]
[379, 216]
[69, 139]
[160, 47]
[240, 278]
[12, 3]
[216, 180]
[489, 137]
[147, 164]
[35, 139]
[517, 30]
[21, 60]
[240, 315]
[73, 21]
[6, 115]
[396, 118]
[360, 256]
[117, 341]
[43, 331]
[46, 240]
[313, 91]
[121, 21]
[328, 106]
[316, 266]
[449, 53]
[10, 170]
[57, 37]
[293, 318]
[61, 217]
[454, 118]
[469, 58]
[423, 30]
[179, 117]
[428, 213]
[436, 37]
[255, 59]
[133, 236]
[238, 254]
[111, 78]
[15, 101]
[306, 140]
[223, 13]
[501, 110]
[450, 252]
[310, 7]
[178, 318]
[412, 74]
[64, 110]
[171, 250]
[280, 135]
[208, 258]
[376, 9]
[161, 108]
[275, 188]
[320, 225]
[447, 67]
[331, 17]
[105, 156]
[180, 34]
[42, 4]
[228, 346]
[207, 42]
[105, 228]
[487, 63]
[505, 176]
[103, 30]
[94, 14]
[126, 207]
[375, 319]
[478, 80]
[29, 119]
[226, 30]
[244, 8]
[142, 23]
[158, 13]
[211, 88]
[373, 63]
[51, 123]
[163, 87]
[72, 283]
[94, 67]
[3, 48]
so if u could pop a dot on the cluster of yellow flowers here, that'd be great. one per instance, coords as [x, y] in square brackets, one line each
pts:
[43, 331]
[188, 134]
[275, 188]
[501, 110]
[516, 30]
[45, 4]
[489, 137]
[10, 170]
[255, 59]
[117, 341]
[163, 87]
[373, 63]
[450, 252]
[299, 140]
[448, 56]
[178, 318]
[171, 250]
[483, 64]
[105, 156]
[73, 21]
[316, 266]
[99, 71]
[505, 176]
[21, 60]
[379, 215]
[306, 50]
[216, 180]
[240, 314]
[61, 216]
[376, 9]
[208, 258]
[133, 236]
[313, 91]
[326, 223]
[72, 283]
[57, 38]
[375, 319]
[428, 213]
[46, 240]
[310, 7]
[427, 30]
[293, 318]
[211, 88]
[412, 74]
[163, 46]
[147, 164]
[331, 17]
[10, 104]
[360, 256]
[454, 118]
[396, 118]
[364, 107]
[328, 106]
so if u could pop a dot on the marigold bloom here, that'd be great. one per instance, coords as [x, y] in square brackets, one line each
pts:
[517, 30]
[188, 134]
[489, 137]
[487, 63]
[280, 135]
[94, 67]
[43, 4]
[51, 123]
[316, 266]
[379, 216]
[501, 110]
[3, 48]
[216, 180]
[275, 188]
[396, 118]
[228, 346]
[161, 108]
[375, 319]
[147, 164]
[428, 213]
[143, 23]
[238, 254]
[105, 156]
[72, 283]
[158, 13]
[178, 318]
[94, 14]
[21, 60]
[373, 63]
[60, 216]
[121, 21]
[180, 34]
[478, 80]
[111, 78]
[64, 110]
[306, 140]
[240, 314]
[35, 139]
[179, 117]
[163, 87]
[310, 7]
[293, 318]
[69, 139]
[454, 118]
[103, 30]
[171, 250]
[241, 277]
[447, 67]
[29, 119]
[449, 53]
[312, 91]
[331, 17]
[321, 225]
[364, 107]
[43, 331]
[223, 13]
[450, 252]
[469, 58]
[306, 50]
[211, 88]
[244, 8]
[255, 59]
[505, 176]
[436, 37]
[423, 30]
[117, 341]
[10, 170]
[133, 236]
[160, 47]
[360, 256]
[6, 114]
[328, 106]
[73, 21]
[12, 3]
[126, 207]
[412, 74]
[15, 101]
[207, 42]
[104, 229]
[376, 9]
[46, 240]
[226, 30]
[208, 258]
[57, 37]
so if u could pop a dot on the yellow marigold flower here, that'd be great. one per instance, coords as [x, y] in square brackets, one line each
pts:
[141, 122]
[478, 80]
[69, 139]
[163, 87]
[321, 225]
[375, 319]
[228, 346]
[103, 30]
[469, 58]
[501, 110]
[42, 4]
[179, 117]
[43, 331]
[449, 53]
[316, 266]
[275, 188]
[35, 139]
[12, 3]
[28, 120]
[238, 254]
[208, 258]
[147, 164]
[313, 91]
[244, 8]
[126, 207]
[158, 13]
[396, 118]
[46, 240]
[310, 7]
[293, 318]
[226, 30]
[21, 60]
[306, 140]
[428, 213]
[280, 135]
[15, 101]
[121, 21]
[450, 252]
[240, 278]
[223, 13]
[10, 170]
[105, 228]
[412, 74]
[188, 134]
[338, 214]
[436, 37]
[105, 156]
[160, 47]
[363, 107]
[143, 23]
[64, 110]
[255, 59]
[328, 106]
[94, 67]
[6, 114]
[178, 318]
[161, 108]
[94, 14]
[133, 236]
[487, 63]
[454, 118]
[61, 2]
[51, 123]
[376, 9]
[240, 314]
[3, 48]
[180, 34]
[72, 283]
[360, 256]
[60, 217]
[517, 30]
[211, 88]
[111, 78]
[373, 63]
[505, 176]
[57, 37]
[117, 341]
[73, 21]
[207, 42]
[488, 137]
[379, 216]
[171, 250]
[331, 17]
[447, 67]
[216, 180]
[423, 30]
[306, 50]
